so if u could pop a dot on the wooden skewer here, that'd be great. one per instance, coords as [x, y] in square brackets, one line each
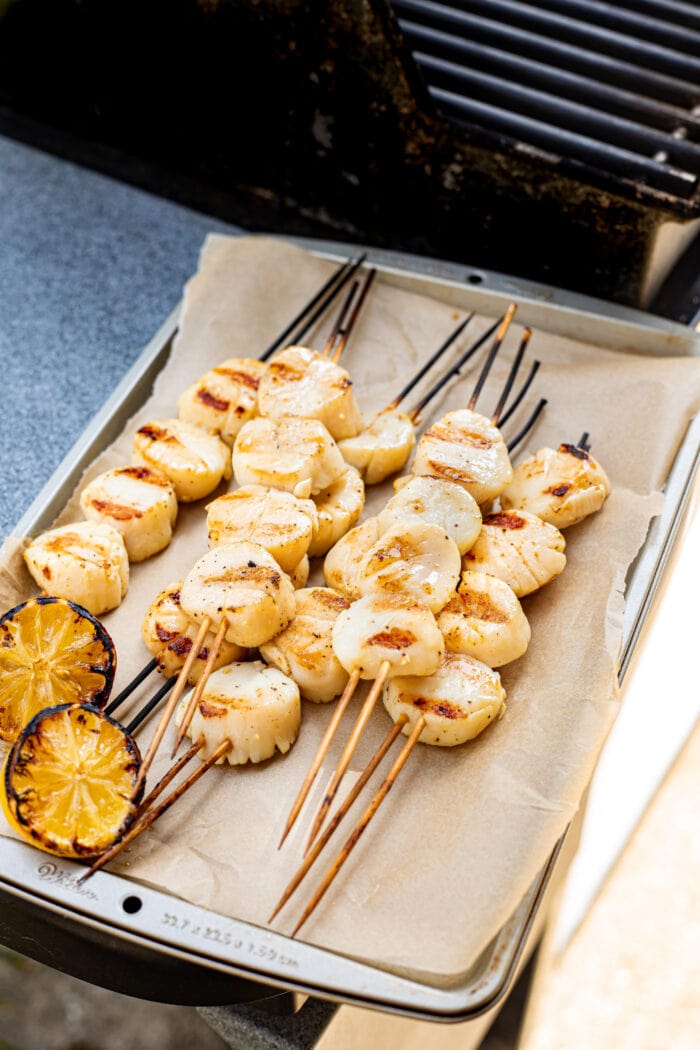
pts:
[141, 716]
[455, 334]
[514, 368]
[133, 684]
[349, 750]
[528, 426]
[346, 331]
[321, 300]
[201, 684]
[497, 343]
[337, 327]
[172, 703]
[534, 368]
[347, 802]
[166, 779]
[417, 409]
[364, 820]
[145, 822]
[321, 753]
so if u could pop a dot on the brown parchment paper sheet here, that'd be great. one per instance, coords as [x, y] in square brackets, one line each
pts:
[465, 830]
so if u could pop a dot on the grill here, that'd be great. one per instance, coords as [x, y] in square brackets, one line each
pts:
[558, 141]
[606, 87]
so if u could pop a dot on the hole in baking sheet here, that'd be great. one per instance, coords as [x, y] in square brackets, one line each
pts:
[132, 904]
[475, 278]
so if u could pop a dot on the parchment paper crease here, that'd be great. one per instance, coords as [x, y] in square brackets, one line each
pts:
[465, 830]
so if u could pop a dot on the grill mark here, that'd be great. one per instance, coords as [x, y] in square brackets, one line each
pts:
[244, 378]
[118, 511]
[211, 400]
[455, 436]
[438, 707]
[480, 607]
[505, 520]
[164, 634]
[331, 601]
[393, 638]
[152, 477]
[572, 450]
[559, 490]
[150, 430]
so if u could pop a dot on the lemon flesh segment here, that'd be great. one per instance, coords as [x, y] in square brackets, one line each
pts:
[69, 781]
[51, 652]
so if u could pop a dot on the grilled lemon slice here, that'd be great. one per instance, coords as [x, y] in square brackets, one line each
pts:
[69, 779]
[52, 651]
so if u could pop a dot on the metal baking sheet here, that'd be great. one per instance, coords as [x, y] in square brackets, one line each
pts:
[136, 915]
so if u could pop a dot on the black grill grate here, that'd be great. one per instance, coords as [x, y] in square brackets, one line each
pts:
[613, 87]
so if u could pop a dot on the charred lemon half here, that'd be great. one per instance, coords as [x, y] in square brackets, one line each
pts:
[52, 651]
[68, 783]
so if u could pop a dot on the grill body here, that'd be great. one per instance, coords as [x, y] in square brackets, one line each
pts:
[457, 130]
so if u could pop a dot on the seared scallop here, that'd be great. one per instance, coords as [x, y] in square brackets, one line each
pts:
[414, 559]
[438, 502]
[255, 707]
[341, 569]
[561, 486]
[390, 628]
[225, 398]
[461, 699]
[86, 562]
[465, 447]
[169, 634]
[277, 520]
[242, 584]
[338, 509]
[382, 448]
[485, 620]
[298, 455]
[521, 549]
[194, 460]
[138, 502]
[304, 650]
[301, 382]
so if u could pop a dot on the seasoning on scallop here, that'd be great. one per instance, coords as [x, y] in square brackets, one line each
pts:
[279, 521]
[225, 398]
[461, 699]
[86, 563]
[298, 455]
[518, 547]
[138, 502]
[562, 486]
[485, 620]
[194, 459]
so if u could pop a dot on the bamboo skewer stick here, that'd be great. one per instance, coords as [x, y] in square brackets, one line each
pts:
[349, 750]
[362, 824]
[528, 426]
[534, 369]
[418, 408]
[497, 344]
[346, 330]
[317, 305]
[584, 443]
[336, 329]
[201, 684]
[321, 753]
[169, 776]
[514, 369]
[132, 685]
[172, 703]
[429, 363]
[151, 705]
[149, 818]
[347, 802]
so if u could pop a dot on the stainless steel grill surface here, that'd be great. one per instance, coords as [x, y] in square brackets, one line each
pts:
[613, 87]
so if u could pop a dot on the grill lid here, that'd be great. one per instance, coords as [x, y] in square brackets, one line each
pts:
[614, 88]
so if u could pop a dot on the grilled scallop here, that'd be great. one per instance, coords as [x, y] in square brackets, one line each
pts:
[169, 634]
[520, 549]
[300, 573]
[461, 699]
[194, 459]
[138, 502]
[300, 382]
[388, 627]
[466, 447]
[485, 620]
[298, 455]
[561, 486]
[338, 509]
[413, 559]
[277, 520]
[242, 584]
[225, 398]
[382, 448]
[342, 565]
[304, 651]
[256, 707]
[437, 502]
[86, 563]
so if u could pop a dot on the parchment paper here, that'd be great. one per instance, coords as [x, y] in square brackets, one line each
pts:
[465, 830]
